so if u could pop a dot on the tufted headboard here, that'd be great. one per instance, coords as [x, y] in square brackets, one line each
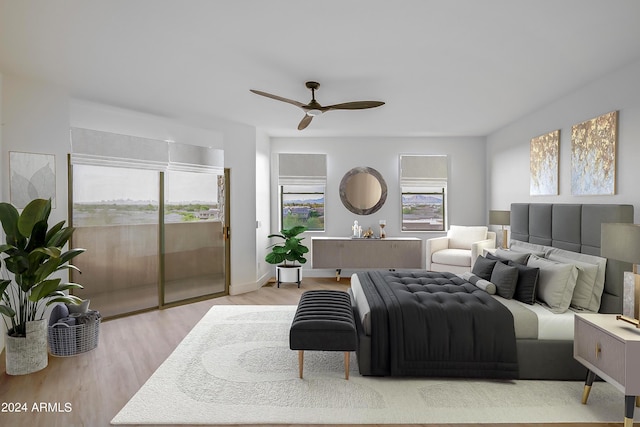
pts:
[574, 227]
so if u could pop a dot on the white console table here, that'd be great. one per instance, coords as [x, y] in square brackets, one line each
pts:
[346, 252]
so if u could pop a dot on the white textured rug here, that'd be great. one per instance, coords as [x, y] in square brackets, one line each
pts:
[235, 367]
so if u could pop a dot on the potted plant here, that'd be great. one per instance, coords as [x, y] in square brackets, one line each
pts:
[33, 252]
[288, 254]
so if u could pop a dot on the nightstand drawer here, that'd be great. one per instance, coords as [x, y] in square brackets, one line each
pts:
[605, 352]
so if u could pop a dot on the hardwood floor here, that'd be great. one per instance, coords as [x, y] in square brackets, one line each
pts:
[88, 390]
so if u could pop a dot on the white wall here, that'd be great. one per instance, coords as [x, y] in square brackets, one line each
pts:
[240, 157]
[467, 191]
[508, 148]
[263, 214]
[91, 115]
[35, 118]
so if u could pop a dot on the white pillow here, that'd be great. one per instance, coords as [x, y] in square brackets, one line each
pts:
[530, 248]
[591, 274]
[556, 282]
[461, 237]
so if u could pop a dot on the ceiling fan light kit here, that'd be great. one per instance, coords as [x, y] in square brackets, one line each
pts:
[313, 108]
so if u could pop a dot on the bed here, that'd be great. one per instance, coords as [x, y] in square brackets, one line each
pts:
[529, 341]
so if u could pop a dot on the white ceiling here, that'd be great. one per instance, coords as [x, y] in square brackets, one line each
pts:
[443, 67]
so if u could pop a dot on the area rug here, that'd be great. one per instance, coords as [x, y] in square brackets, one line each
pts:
[235, 367]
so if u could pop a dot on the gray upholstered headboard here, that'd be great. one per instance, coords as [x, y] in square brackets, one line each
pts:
[574, 228]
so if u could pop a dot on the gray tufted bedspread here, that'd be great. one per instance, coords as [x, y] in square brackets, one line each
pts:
[438, 325]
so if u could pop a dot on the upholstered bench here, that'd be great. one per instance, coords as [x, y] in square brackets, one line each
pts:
[323, 321]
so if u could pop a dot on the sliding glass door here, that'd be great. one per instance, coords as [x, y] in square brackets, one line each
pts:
[152, 238]
[193, 241]
[115, 213]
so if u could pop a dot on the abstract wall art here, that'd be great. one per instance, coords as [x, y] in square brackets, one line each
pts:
[33, 176]
[593, 156]
[544, 164]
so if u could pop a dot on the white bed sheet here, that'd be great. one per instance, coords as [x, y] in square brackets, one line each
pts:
[552, 326]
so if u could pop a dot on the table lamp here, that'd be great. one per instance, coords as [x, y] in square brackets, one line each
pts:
[501, 218]
[621, 242]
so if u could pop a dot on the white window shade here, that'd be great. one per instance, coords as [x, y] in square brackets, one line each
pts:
[92, 147]
[195, 158]
[423, 171]
[302, 169]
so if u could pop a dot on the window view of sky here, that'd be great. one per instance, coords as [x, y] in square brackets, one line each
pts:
[101, 184]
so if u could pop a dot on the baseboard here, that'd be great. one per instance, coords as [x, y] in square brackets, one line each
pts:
[243, 288]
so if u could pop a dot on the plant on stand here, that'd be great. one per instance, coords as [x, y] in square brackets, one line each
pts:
[287, 254]
[32, 253]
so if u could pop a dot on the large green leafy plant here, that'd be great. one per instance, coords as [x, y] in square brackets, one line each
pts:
[33, 253]
[291, 250]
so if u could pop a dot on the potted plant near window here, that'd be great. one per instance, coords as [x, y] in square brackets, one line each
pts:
[33, 253]
[289, 254]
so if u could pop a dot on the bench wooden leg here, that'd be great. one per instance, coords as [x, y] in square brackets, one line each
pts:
[300, 361]
[346, 364]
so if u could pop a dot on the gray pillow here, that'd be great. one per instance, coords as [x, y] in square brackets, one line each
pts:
[519, 257]
[556, 283]
[586, 295]
[505, 277]
[483, 267]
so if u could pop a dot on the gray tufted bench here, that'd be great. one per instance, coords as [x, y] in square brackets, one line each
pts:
[323, 321]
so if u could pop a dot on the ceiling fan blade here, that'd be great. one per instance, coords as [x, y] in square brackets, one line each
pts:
[278, 98]
[305, 122]
[356, 105]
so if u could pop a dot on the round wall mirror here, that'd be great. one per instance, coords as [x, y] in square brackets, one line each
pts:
[363, 190]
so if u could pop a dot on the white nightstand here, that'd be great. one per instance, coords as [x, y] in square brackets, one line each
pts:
[610, 349]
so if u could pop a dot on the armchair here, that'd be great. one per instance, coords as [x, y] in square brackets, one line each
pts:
[457, 251]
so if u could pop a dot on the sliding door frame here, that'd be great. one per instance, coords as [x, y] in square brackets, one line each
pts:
[226, 237]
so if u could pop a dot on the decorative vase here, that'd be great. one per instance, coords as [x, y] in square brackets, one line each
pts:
[288, 274]
[25, 355]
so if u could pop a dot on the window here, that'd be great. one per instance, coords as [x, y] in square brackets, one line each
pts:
[423, 181]
[302, 181]
[302, 205]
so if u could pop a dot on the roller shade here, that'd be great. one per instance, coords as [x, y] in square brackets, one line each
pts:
[302, 169]
[423, 171]
[92, 147]
[195, 158]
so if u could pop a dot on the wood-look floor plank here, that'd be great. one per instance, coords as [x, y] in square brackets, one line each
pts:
[99, 383]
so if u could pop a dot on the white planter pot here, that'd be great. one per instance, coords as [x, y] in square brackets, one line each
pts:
[288, 274]
[25, 355]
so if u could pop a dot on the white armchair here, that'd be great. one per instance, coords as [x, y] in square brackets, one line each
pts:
[458, 250]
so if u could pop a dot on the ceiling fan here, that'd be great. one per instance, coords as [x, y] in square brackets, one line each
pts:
[313, 108]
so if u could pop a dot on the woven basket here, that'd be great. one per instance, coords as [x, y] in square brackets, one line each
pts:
[67, 340]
